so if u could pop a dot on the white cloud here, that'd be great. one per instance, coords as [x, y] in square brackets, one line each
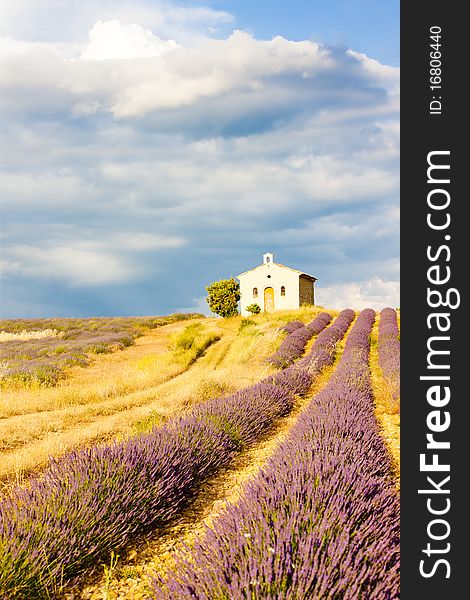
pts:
[217, 67]
[198, 305]
[374, 293]
[112, 39]
[59, 190]
[388, 76]
[148, 73]
[139, 242]
[77, 266]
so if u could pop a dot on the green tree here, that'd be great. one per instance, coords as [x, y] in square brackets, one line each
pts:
[223, 297]
[254, 308]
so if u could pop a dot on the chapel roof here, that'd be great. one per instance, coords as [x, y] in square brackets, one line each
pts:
[278, 265]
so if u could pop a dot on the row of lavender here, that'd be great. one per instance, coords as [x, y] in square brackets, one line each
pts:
[321, 520]
[389, 348]
[293, 346]
[95, 500]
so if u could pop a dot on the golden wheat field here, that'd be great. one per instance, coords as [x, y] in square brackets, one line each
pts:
[129, 391]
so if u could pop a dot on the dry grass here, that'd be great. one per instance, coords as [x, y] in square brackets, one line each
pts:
[6, 336]
[124, 393]
[146, 363]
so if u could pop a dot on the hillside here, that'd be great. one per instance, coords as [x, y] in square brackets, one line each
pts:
[127, 391]
[172, 370]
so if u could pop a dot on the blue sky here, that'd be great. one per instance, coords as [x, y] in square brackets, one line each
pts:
[150, 147]
[370, 26]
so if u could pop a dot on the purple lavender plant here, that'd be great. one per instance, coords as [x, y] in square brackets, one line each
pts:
[300, 375]
[321, 520]
[292, 326]
[323, 350]
[293, 346]
[96, 499]
[389, 348]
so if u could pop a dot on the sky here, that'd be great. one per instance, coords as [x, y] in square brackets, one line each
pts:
[150, 147]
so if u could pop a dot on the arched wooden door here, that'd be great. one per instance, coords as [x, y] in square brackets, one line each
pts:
[268, 299]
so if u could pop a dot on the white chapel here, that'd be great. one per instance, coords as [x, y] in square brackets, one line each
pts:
[275, 287]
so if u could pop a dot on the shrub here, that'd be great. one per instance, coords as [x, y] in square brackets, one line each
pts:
[57, 350]
[191, 343]
[244, 323]
[186, 339]
[98, 349]
[149, 422]
[42, 375]
[254, 309]
[126, 341]
[223, 297]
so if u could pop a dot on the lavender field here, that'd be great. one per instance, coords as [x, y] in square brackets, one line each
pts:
[38, 350]
[321, 519]
[318, 520]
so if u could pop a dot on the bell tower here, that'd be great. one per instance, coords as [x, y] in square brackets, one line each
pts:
[268, 258]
